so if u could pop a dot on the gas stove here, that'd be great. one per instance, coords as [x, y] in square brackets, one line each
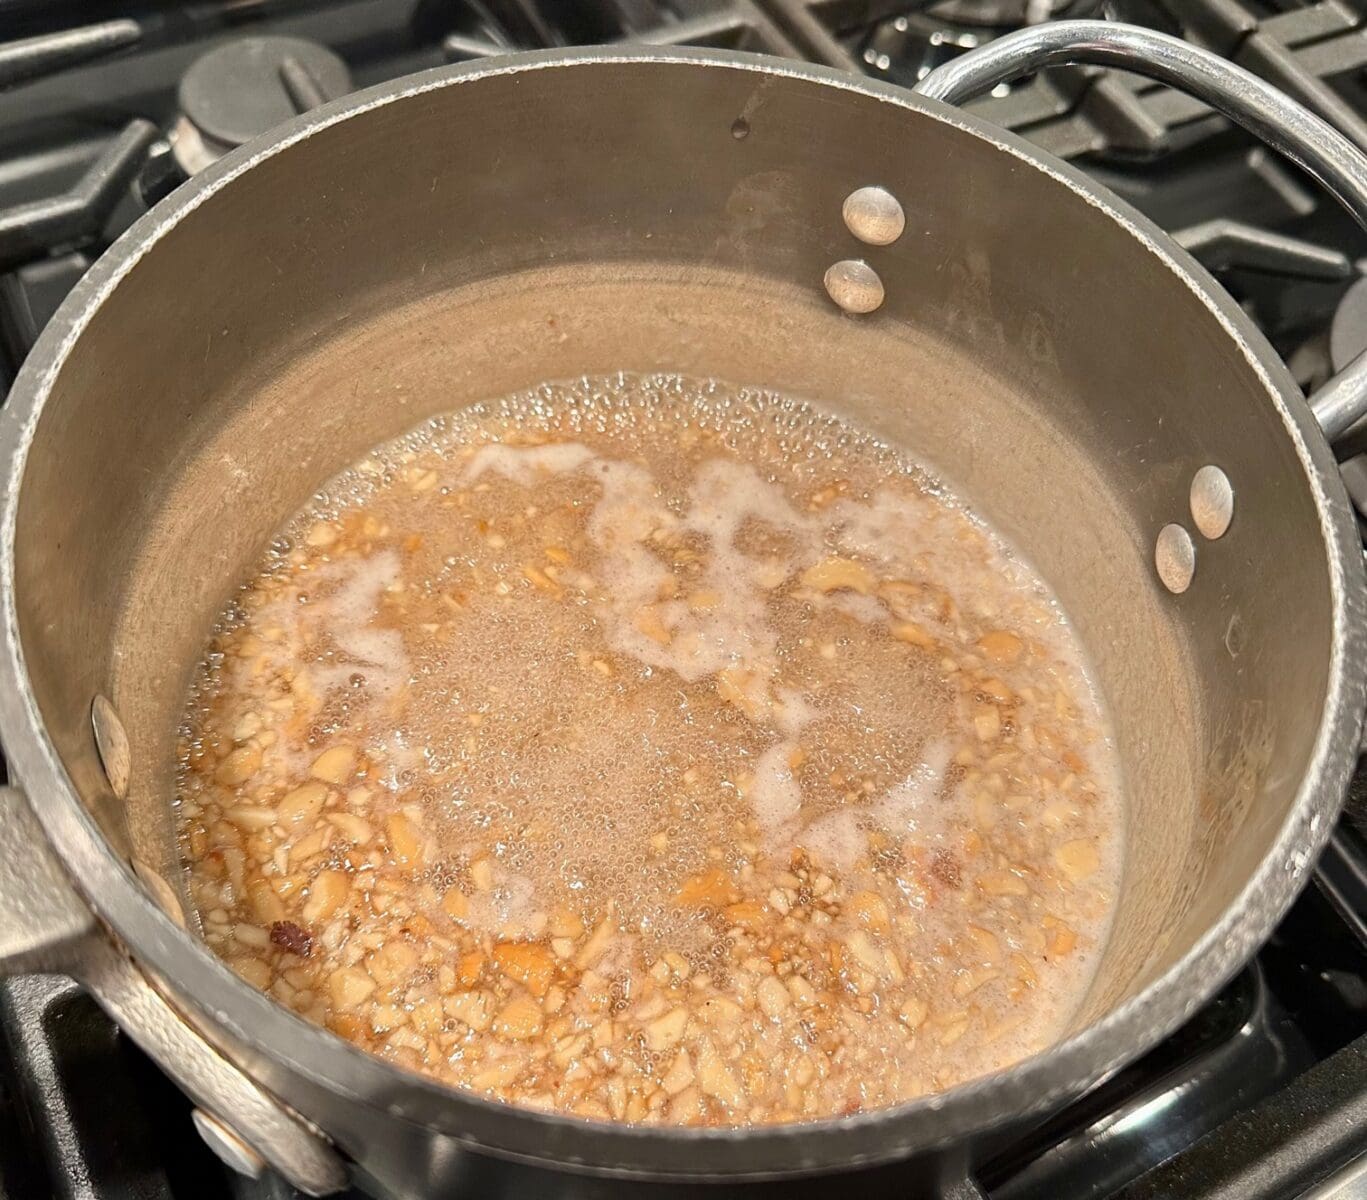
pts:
[1263, 1094]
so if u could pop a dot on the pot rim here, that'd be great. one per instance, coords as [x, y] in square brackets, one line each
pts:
[221, 1001]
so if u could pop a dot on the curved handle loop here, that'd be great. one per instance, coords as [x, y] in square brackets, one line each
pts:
[1270, 115]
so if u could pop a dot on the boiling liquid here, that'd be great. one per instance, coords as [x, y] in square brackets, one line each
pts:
[655, 751]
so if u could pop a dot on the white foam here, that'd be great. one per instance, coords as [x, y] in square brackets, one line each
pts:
[888, 529]
[773, 791]
[509, 909]
[835, 840]
[916, 805]
[348, 612]
[793, 712]
[736, 630]
[525, 464]
[903, 807]
[868, 610]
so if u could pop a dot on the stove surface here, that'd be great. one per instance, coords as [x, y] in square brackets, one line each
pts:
[104, 108]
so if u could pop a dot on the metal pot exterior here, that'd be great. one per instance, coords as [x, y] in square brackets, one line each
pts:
[401, 251]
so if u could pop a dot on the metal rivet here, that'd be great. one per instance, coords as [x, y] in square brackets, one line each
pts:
[1175, 557]
[162, 892]
[227, 1145]
[1212, 502]
[873, 215]
[111, 740]
[854, 286]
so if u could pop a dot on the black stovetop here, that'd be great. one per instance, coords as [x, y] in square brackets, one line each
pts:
[1263, 1094]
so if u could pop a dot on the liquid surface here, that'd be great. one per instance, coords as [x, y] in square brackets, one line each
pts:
[654, 751]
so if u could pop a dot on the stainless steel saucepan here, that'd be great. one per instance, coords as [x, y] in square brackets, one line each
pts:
[469, 232]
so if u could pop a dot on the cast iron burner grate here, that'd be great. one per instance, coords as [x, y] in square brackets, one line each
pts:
[1263, 1094]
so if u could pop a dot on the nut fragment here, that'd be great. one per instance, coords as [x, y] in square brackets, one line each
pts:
[252, 969]
[737, 686]
[870, 910]
[350, 987]
[356, 830]
[404, 840]
[391, 963]
[1063, 940]
[239, 766]
[648, 623]
[303, 804]
[865, 953]
[835, 574]
[913, 634]
[680, 1074]
[593, 949]
[968, 982]
[519, 1019]
[913, 1012]
[565, 923]
[529, 963]
[747, 914]
[499, 1074]
[326, 894]
[715, 1078]
[322, 534]
[711, 889]
[249, 816]
[985, 943]
[469, 1008]
[951, 1030]
[1002, 883]
[772, 996]
[541, 581]
[1078, 859]
[336, 765]
[470, 968]
[987, 722]
[1001, 646]
[666, 1031]
[265, 903]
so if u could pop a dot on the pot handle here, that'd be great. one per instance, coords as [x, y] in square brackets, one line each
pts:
[45, 927]
[1267, 113]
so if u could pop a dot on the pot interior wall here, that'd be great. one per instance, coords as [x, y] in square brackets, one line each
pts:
[485, 236]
